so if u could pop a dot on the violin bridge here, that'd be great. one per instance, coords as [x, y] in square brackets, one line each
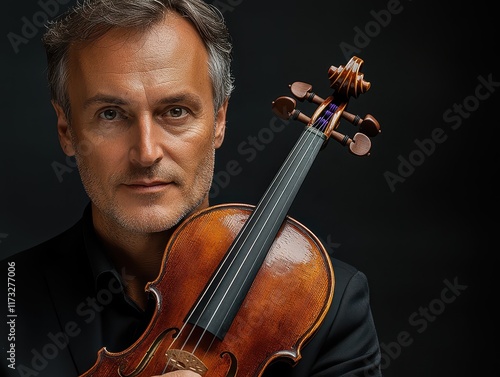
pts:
[182, 360]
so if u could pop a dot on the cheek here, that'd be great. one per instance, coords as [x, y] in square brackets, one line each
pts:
[196, 156]
[101, 157]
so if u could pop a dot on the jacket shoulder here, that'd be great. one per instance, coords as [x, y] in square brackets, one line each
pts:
[50, 250]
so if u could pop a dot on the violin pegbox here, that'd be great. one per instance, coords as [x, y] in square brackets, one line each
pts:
[347, 82]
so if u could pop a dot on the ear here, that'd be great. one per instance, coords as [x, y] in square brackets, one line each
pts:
[220, 124]
[63, 130]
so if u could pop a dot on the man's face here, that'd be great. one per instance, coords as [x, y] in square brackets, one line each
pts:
[142, 125]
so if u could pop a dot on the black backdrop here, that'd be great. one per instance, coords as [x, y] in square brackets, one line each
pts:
[417, 216]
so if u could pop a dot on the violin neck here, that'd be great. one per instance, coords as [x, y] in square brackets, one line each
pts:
[226, 291]
[276, 201]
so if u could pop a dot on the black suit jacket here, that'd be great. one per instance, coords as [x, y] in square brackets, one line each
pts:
[47, 336]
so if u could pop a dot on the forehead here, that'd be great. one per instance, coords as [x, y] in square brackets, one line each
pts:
[170, 52]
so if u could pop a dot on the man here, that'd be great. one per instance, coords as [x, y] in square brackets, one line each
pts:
[141, 91]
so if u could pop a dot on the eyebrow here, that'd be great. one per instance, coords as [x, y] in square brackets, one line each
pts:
[103, 99]
[112, 100]
[193, 99]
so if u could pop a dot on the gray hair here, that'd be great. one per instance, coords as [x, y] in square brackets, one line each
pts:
[90, 19]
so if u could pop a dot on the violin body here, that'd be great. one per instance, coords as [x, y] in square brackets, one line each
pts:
[285, 305]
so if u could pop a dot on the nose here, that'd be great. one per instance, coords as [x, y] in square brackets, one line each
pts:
[146, 147]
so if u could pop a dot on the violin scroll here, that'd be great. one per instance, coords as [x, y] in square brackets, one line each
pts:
[347, 81]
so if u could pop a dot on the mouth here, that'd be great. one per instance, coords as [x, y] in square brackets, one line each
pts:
[146, 186]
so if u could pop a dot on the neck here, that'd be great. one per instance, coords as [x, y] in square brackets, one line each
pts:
[139, 255]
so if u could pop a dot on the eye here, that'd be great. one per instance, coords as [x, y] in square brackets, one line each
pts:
[109, 114]
[177, 112]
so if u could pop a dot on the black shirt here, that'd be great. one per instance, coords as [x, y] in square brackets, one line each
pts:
[123, 321]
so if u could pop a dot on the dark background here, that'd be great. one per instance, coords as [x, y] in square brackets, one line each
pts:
[431, 229]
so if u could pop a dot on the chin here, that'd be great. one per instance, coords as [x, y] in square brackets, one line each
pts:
[148, 225]
[148, 219]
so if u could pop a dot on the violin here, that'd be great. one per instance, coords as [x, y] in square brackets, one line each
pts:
[242, 286]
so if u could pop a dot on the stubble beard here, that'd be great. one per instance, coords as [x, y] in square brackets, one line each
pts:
[152, 216]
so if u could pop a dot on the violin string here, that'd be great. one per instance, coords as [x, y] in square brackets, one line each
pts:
[238, 271]
[309, 138]
[319, 123]
[287, 162]
[248, 254]
[279, 176]
[294, 155]
[166, 365]
[230, 252]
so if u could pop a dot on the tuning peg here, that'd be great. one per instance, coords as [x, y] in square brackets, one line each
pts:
[359, 145]
[285, 108]
[369, 125]
[303, 91]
